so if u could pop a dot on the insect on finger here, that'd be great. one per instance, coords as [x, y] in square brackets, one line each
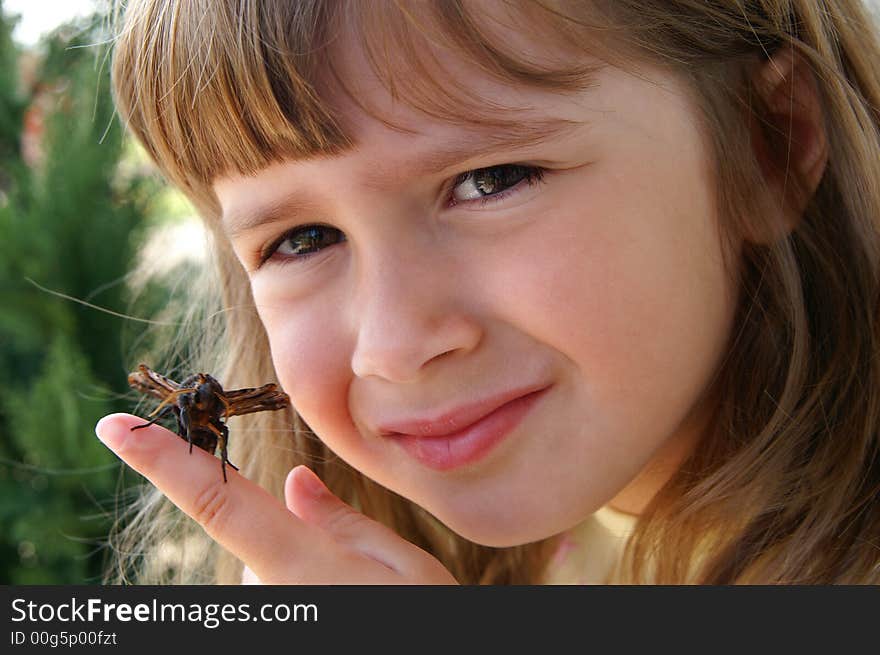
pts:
[231, 513]
[200, 403]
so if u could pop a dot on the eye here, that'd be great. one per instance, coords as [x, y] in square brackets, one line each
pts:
[301, 242]
[493, 183]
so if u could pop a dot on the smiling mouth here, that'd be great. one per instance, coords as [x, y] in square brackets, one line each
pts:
[465, 445]
[458, 419]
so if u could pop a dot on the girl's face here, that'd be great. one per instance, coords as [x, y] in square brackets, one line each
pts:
[420, 273]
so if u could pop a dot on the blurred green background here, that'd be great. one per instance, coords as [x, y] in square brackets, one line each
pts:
[78, 204]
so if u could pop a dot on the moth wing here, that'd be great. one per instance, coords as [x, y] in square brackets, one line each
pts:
[256, 399]
[145, 380]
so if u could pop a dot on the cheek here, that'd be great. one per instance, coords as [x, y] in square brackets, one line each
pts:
[628, 284]
[308, 353]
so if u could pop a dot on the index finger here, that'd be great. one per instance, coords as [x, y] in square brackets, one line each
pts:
[240, 515]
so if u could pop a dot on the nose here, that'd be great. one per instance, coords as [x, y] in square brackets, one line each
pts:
[411, 310]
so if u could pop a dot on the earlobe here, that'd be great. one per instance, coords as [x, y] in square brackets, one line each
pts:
[794, 123]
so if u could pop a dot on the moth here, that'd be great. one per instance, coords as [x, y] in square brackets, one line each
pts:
[200, 405]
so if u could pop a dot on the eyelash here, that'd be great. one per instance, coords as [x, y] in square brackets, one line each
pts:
[531, 175]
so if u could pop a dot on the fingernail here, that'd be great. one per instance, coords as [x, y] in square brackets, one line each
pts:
[310, 482]
[110, 433]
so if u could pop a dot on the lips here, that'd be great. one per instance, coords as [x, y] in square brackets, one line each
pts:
[455, 420]
[440, 444]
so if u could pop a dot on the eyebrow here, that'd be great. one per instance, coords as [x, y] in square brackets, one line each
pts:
[286, 207]
[511, 135]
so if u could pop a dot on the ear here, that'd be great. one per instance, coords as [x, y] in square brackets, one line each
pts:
[795, 119]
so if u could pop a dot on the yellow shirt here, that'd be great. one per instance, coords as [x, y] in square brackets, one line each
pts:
[590, 550]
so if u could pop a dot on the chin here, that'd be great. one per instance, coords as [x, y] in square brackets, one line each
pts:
[497, 535]
[484, 520]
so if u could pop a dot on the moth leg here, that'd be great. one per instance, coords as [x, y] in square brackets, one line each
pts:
[171, 397]
[222, 432]
[226, 404]
[184, 426]
[181, 430]
[161, 415]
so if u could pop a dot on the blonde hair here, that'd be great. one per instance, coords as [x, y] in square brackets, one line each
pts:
[783, 487]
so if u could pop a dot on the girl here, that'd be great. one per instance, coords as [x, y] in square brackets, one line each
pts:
[560, 291]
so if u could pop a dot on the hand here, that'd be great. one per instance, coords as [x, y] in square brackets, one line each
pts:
[316, 539]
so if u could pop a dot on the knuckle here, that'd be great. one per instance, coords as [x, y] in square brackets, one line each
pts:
[212, 507]
[345, 521]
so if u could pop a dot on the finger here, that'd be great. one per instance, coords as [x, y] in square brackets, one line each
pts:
[308, 498]
[240, 515]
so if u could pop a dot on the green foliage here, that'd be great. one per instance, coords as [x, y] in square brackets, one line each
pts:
[71, 224]
[53, 422]
[68, 401]
[11, 105]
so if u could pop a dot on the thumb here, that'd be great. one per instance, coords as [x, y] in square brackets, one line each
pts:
[308, 498]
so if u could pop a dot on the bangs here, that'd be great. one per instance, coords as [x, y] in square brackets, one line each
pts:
[213, 88]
